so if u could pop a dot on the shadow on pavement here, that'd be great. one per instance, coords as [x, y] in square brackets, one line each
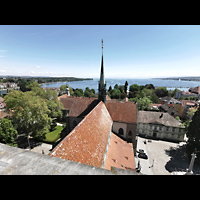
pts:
[179, 160]
[23, 142]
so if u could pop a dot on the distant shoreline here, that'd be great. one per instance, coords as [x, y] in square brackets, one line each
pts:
[65, 81]
[197, 79]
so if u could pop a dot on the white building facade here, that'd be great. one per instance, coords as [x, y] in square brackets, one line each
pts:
[160, 126]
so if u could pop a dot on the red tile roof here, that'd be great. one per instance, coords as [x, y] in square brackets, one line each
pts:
[64, 96]
[120, 154]
[67, 102]
[79, 105]
[88, 141]
[188, 102]
[122, 111]
[195, 90]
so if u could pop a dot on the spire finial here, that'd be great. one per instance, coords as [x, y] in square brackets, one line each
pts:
[102, 43]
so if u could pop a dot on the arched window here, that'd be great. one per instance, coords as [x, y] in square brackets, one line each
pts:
[74, 123]
[130, 133]
[121, 131]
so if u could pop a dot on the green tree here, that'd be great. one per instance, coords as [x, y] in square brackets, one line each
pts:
[78, 92]
[87, 92]
[190, 113]
[193, 134]
[71, 91]
[33, 85]
[115, 93]
[154, 98]
[144, 103]
[134, 88]
[63, 88]
[121, 88]
[7, 132]
[23, 84]
[123, 95]
[110, 88]
[51, 98]
[93, 91]
[161, 91]
[126, 87]
[30, 113]
[116, 87]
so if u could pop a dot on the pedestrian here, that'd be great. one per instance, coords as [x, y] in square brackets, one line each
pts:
[152, 164]
[138, 167]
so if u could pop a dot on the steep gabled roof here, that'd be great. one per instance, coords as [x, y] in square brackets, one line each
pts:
[122, 111]
[81, 105]
[88, 141]
[66, 101]
[77, 105]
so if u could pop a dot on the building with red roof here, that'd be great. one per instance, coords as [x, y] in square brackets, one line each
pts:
[98, 130]
[92, 142]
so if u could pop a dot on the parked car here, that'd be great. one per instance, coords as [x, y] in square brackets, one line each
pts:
[143, 155]
[141, 151]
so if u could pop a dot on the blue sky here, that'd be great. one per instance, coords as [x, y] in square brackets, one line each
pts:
[133, 51]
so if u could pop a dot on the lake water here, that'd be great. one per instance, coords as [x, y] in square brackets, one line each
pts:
[93, 84]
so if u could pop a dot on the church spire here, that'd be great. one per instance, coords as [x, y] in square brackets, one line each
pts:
[102, 68]
[102, 84]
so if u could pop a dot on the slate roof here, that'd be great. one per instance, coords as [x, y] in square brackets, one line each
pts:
[88, 141]
[159, 117]
[122, 111]
[169, 109]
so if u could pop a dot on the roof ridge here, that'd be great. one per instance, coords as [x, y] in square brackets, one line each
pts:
[86, 117]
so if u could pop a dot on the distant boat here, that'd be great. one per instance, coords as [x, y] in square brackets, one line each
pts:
[179, 79]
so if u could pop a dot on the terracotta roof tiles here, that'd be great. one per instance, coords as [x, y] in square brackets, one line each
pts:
[67, 102]
[79, 105]
[120, 154]
[88, 141]
[122, 111]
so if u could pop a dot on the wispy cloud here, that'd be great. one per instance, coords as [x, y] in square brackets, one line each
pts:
[37, 66]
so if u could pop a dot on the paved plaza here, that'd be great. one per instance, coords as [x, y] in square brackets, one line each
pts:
[163, 157]
[43, 148]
